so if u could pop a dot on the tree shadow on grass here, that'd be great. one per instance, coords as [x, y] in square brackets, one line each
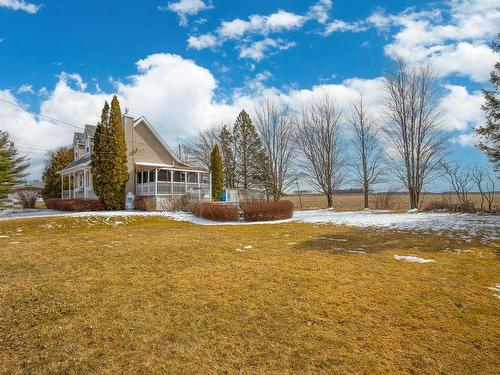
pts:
[364, 242]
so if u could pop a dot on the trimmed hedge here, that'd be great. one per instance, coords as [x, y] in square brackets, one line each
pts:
[266, 211]
[218, 212]
[76, 204]
[144, 204]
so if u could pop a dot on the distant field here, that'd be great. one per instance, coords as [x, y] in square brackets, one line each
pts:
[350, 202]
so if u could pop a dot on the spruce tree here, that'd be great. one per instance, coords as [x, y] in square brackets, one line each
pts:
[12, 166]
[217, 173]
[249, 152]
[56, 160]
[228, 162]
[490, 132]
[100, 152]
[115, 172]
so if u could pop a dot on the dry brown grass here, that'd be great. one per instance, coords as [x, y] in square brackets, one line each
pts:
[158, 296]
[399, 201]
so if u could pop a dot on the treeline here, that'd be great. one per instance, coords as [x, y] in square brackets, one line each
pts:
[330, 146]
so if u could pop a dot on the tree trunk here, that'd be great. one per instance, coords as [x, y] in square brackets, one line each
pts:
[366, 196]
[329, 200]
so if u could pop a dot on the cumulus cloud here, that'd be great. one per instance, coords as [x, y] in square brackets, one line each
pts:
[462, 109]
[25, 89]
[20, 5]
[455, 39]
[342, 26]
[243, 30]
[178, 97]
[185, 8]
[258, 50]
[202, 41]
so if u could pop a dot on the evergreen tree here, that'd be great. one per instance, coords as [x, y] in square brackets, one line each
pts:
[229, 165]
[12, 167]
[57, 160]
[109, 159]
[100, 150]
[217, 173]
[116, 171]
[490, 132]
[249, 152]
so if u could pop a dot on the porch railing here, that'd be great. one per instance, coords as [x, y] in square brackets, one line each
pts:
[172, 188]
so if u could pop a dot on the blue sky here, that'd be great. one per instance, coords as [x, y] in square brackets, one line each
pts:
[185, 64]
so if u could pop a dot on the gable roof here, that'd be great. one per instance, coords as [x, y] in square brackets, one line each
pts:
[82, 162]
[89, 130]
[78, 137]
[143, 119]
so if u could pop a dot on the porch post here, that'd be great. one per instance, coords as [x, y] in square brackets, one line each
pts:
[185, 181]
[199, 190]
[73, 190]
[210, 187]
[85, 183]
[171, 182]
[62, 186]
[156, 182]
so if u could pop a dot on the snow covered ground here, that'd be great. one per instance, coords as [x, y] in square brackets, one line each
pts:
[488, 226]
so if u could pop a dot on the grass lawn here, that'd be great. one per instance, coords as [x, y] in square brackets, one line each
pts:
[150, 295]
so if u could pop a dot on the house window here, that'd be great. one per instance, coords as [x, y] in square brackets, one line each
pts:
[139, 177]
[179, 176]
[151, 176]
[163, 175]
[192, 177]
[205, 178]
[80, 180]
[144, 177]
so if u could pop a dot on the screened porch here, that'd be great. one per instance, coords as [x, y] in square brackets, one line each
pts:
[169, 182]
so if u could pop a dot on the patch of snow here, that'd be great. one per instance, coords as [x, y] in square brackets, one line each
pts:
[496, 289]
[485, 226]
[413, 211]
[247, 247]
[4, 236]
[413, 259]
[14, 242]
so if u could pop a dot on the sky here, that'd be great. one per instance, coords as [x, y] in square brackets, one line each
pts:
[187, 64]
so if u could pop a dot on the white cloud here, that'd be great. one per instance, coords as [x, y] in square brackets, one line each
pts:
[462, 109]
[455, 38]
[178, 98]
[258, 50]
[185, 8]
[465, 140]
[475, 61]
[243, 30]
[25, 89]
[320, 10]
[342, 26]
[19, 5]
[263, 25]
[202, 41]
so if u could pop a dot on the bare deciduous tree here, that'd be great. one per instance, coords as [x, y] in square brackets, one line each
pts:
[460, 178]
[413, 126]
[275, 127]
[368, 157]
[199, 147]
[485, 184]
[319, 140]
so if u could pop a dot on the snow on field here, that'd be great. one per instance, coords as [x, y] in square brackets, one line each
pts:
[496, 289]
[487, 226]
[413, 259]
